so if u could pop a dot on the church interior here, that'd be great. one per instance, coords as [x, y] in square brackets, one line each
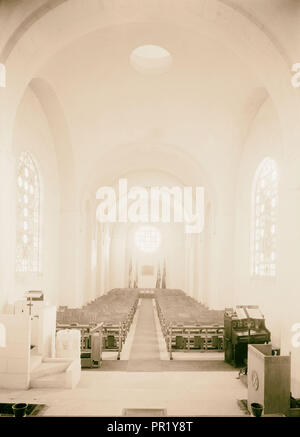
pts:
[122, 317]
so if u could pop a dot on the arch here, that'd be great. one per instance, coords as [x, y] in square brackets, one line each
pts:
[50, 5]
[209, 16]
[61, 138]
[260, 26]
[29, 21]
[159, 157]
[264, 219]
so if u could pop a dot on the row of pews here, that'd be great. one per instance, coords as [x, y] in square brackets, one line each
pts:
[104, 324]
[188, 325]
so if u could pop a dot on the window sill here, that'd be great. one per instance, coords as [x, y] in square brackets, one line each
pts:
[29, 274]
[263, 278]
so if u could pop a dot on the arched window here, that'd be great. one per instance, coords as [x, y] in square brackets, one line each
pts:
[264, 219]
[28, 215]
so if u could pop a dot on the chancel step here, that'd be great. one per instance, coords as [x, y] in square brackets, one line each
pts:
[35, 361]
[57, 380]
[56, 373]
[49, 368]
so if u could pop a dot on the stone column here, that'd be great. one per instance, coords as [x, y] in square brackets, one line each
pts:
[7, 227]
[188, 265]
[69, 259]
[221, 292]
[199, 268]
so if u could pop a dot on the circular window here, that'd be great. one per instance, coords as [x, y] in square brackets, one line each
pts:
[147, 239]
[150, 59]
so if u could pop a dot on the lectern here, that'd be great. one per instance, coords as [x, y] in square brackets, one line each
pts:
[269, 379]
[34, 301]
[43, 321]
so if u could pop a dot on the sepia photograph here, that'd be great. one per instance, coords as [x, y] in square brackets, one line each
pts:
[150, 212]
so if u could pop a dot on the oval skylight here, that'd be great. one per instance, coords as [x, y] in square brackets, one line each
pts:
[150, 59]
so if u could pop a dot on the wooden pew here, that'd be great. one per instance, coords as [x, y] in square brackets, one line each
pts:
[195, 329]
[104, 324]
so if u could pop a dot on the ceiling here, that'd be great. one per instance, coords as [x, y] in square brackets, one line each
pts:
[203, 103]
[223, 56]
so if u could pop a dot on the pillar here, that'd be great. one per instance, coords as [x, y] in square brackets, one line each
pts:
[7, 227]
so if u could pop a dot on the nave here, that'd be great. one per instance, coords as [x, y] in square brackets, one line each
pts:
[146, 348]
[150, 205]
[165, 322]
[144, 377]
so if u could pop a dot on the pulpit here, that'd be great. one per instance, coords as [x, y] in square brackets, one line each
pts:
[269, 379]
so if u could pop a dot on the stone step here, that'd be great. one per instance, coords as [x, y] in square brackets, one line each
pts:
[49, 368]
[57, 373]
[57, 380]
[35, 361]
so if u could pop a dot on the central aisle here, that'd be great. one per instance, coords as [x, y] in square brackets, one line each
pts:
[145, 350]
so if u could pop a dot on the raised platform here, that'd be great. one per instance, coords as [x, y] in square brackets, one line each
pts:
[56, 373]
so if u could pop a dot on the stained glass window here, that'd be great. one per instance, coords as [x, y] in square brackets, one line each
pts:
[264, 219]
[147, 239]
[28, 216]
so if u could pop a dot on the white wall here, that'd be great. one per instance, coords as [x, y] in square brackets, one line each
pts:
[250, 48]
[31, 134]
[264, 140]
[275, 296]
[15, 356]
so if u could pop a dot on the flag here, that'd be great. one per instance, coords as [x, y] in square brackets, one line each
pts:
[136, 281]
[158, 277]
[163, 281]
[130, 274]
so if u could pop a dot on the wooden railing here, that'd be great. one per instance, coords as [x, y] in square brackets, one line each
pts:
[98, 337]
[190, 336]
[94, 340]
[195, 337]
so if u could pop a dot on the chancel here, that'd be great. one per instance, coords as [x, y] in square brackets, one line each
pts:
[115, 301]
